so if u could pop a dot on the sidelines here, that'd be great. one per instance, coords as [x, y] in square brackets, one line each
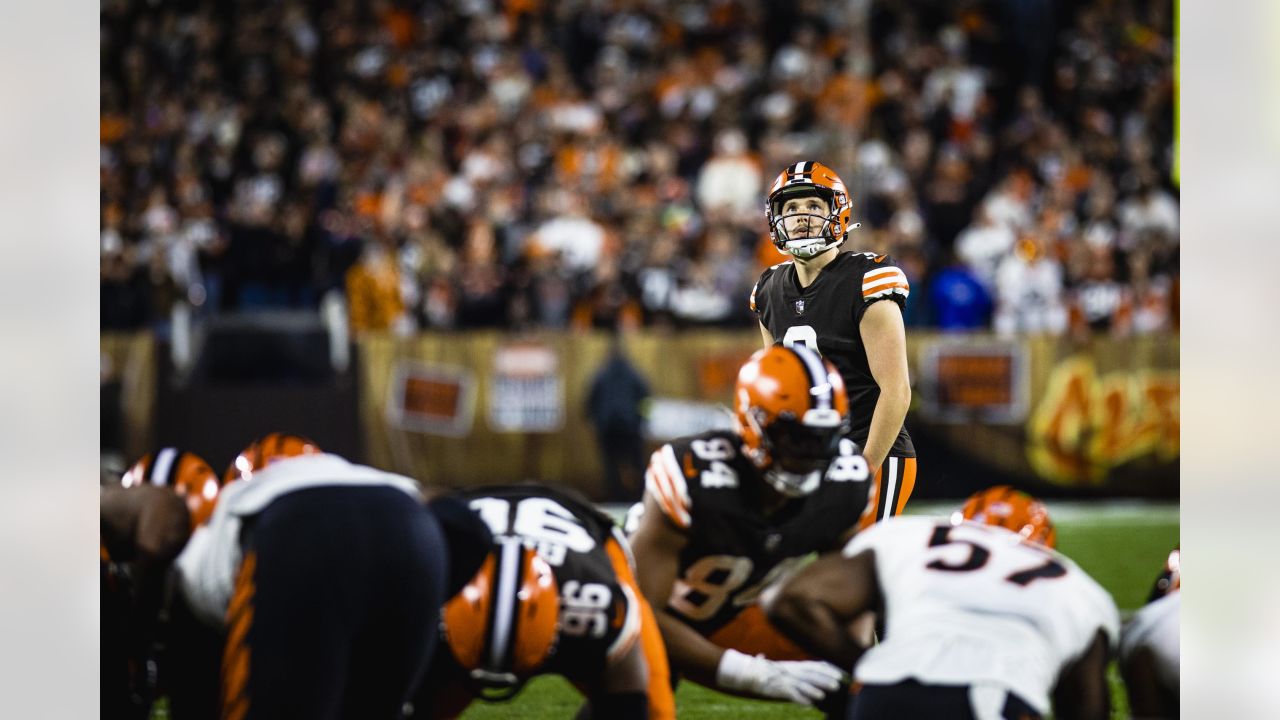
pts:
[1127, 511]
[1096, 512]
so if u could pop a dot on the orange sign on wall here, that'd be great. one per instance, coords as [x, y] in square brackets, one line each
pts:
[968, 382]
[1086, 423]
[434, 399]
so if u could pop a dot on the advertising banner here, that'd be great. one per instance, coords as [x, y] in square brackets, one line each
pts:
[1053, 415]
[966, 381]
[526, 392]
[431, 398]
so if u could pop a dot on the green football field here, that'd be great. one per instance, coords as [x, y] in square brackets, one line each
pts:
[1123, 546]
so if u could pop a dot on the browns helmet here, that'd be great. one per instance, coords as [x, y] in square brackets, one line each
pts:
[265, 451]
[1013, 510]
[505, 623]
[801, 180]
[186, 472]
[791, 412]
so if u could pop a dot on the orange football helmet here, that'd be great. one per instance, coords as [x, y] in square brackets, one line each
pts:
[266, 450]
[1013, 510]
[186, 472]
[803, 179]
[791, 412]
[505, 623]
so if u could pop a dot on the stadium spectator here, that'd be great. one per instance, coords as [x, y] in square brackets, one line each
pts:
[373, 290]
[960, 300]
[1029, 290]
[231, 139]
[983, 244]
[730, 181]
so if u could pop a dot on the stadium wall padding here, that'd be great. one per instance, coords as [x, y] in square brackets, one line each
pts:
[1097, 418]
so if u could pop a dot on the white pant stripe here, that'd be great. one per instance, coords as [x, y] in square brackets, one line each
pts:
[889, 482]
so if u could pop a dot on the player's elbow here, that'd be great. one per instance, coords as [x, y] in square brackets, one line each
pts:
[896, 392]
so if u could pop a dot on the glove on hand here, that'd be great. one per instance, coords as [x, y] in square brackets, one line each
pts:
[800, 681]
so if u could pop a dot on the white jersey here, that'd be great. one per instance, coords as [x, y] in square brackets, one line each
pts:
[207, 566]
[1155, 627]
[974, 604]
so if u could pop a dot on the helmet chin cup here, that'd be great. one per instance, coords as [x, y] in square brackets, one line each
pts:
[793, 485]
[807, 248]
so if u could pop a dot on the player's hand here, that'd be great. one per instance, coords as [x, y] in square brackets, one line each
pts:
[805, 682]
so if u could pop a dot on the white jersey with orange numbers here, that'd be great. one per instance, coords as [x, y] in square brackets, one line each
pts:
[973, 604]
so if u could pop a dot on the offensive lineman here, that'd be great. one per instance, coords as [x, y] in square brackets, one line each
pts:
[984, 620]
[830, 302]
[725, 514]
[607, 643]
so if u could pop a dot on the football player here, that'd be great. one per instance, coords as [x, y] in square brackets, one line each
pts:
[328, 578]
[831, 302]
[577, 612]
[192, 656]
[145, 521]
[985, 619]
[725, 514]
[1149, 647]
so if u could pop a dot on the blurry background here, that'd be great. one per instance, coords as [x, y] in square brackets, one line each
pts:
[480, 241]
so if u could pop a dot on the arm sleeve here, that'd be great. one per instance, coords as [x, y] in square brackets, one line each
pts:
[664, 480]
[882, 280]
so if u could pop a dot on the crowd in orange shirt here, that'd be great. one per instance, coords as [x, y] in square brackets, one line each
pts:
[585, 164]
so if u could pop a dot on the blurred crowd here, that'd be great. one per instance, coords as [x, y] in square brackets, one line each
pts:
[596, 163]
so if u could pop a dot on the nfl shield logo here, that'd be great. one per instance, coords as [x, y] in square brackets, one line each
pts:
[800, 307]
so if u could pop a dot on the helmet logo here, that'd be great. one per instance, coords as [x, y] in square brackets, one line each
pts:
[800, 307]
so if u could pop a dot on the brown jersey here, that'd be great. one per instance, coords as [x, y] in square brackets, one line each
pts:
[709, 490]
[825, 316]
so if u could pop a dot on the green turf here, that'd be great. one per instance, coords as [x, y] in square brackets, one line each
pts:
[1124, 559]
[551, 697]
[1124, 554]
